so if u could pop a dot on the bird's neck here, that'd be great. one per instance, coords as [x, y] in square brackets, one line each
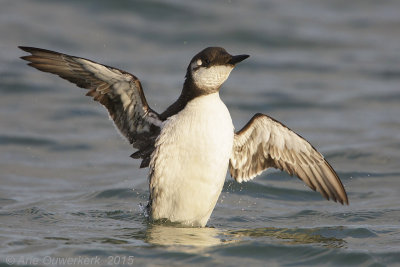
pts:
[189, 92]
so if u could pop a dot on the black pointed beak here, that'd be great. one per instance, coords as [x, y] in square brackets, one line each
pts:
[236, 59]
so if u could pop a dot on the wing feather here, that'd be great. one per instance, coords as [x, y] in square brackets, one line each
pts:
[265, 142]
[119, 91]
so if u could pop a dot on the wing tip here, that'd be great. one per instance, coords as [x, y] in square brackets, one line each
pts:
[345, 201]
[342, 200]
[341, 192]
[24, 48]
[27, 49]
[30, 49]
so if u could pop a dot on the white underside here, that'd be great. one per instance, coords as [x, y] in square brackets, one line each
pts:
[190, 162]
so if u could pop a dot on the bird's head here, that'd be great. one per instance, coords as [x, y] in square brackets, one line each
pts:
[210, 68]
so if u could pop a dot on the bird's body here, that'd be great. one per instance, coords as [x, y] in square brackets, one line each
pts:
[189, 147]
[190, 161]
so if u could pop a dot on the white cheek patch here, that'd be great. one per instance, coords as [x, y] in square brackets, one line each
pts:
[212, 77]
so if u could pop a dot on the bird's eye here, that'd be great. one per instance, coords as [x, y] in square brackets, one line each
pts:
[206, 62]
[199, 62]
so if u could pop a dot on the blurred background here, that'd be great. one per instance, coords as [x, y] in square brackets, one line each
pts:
[329, 70]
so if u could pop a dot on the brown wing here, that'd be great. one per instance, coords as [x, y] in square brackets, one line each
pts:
[265, 142]
[119, 91]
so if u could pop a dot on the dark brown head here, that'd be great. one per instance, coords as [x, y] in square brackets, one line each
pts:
[210, 68]
[206, 72]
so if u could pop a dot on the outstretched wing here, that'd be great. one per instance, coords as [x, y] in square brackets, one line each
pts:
[119, 91]
[265, 142]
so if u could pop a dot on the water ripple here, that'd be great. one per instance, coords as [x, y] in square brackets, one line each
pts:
[115, 193]
[41, 142]
[25, 140]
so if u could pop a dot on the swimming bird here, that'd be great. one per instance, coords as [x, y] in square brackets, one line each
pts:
[189, 147]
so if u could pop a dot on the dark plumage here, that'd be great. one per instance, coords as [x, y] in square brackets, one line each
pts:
[119, 91]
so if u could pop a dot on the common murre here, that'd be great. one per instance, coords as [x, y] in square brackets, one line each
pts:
[189, 147]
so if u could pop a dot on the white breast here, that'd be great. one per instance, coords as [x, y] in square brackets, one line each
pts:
[189, 164]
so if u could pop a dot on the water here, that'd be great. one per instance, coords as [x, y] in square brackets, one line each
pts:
[328, 69]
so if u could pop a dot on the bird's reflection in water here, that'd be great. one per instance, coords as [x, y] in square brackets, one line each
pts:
[169, 235]
[159, 234]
